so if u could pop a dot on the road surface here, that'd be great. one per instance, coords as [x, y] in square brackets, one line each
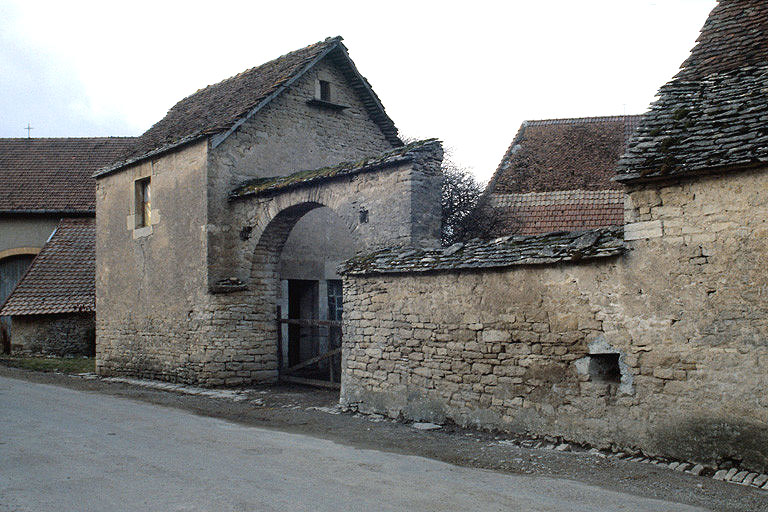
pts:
[68, 450]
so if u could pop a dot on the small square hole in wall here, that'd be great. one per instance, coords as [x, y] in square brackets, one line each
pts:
[604, 368]
[363, 216]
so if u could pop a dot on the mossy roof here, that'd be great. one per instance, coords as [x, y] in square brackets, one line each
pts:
[713, 116]
[272, 185]
[502, 252]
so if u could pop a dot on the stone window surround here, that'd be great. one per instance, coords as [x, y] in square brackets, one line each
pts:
[131, 221]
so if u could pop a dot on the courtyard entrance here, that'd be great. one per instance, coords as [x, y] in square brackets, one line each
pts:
[310, 333]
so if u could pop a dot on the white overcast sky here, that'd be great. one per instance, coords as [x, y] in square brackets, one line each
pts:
[467, 72]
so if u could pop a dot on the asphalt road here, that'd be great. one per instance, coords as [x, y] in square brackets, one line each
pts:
[68, 450]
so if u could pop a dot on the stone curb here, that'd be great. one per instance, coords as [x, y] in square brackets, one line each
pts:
[732, 475]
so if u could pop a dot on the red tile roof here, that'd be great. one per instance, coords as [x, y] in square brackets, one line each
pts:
[571, 210]
[221, 107]
[61, 278]
[564, 154]
[54, 175]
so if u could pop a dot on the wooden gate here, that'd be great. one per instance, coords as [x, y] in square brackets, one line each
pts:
[322, 370]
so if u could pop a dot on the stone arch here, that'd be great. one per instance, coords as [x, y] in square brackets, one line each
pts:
[19, 251]
[265, 276]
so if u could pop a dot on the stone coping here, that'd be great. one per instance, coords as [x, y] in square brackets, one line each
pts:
[275, 184]
[499, 253]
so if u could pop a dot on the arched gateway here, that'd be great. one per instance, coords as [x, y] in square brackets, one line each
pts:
[391, 200]
[231, 334]
[205, 220]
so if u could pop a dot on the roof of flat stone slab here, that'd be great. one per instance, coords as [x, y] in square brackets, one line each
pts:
[502, 252]
[221, 108]
[272, 185]
[713, 116]
[563, 154]
[61, 278]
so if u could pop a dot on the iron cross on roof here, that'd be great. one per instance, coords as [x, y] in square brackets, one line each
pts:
[29, 130]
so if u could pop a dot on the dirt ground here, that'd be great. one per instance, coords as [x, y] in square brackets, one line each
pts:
[312, 412]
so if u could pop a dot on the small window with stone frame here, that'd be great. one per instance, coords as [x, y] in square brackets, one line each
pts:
[143, 203]
[325, 90]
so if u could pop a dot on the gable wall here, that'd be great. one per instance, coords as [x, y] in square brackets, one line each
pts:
[287, 136]
[686, 308]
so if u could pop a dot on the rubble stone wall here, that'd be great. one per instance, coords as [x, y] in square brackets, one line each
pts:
[683, 314]
[68, 334]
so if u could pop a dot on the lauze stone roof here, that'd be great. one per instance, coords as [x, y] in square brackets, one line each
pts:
[54, 175]
[503, 252]
[713, 116]
[61, 279]
[563, 154]
[220, 108]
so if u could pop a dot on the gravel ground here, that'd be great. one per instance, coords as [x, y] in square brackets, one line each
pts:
[313, 412]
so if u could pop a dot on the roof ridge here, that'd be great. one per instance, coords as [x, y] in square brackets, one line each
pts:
[580, 120]
[327, 40]
[105, 137]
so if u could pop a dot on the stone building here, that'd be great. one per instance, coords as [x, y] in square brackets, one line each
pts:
[239, 204]
[42, 181]
[557, 175]
[53, 305]
[656, 340]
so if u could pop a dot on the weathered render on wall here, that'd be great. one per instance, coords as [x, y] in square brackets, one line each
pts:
[685, 308]
[27, 233]
[151, 281]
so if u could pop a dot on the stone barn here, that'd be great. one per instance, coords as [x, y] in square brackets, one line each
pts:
[219, 232]
[42, 182]
[52, 307]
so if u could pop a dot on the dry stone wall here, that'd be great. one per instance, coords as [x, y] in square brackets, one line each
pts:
[69, 334]
[663, 348]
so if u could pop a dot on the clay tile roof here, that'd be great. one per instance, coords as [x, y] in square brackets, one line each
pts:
[563, 154]
[272, 185]
[54, 174]
[220, 108]
[566, 210]
[712, 115]
[61, 278]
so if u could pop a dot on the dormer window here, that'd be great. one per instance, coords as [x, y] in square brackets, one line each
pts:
[324, 96]
[325, 90]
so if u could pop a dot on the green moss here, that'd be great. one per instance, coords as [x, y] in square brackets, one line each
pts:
[681, 113]
[262, 185]
[667, 144]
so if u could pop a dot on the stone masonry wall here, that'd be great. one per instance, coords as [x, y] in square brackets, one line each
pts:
[521, 349]
[70, 334]
[287, 136]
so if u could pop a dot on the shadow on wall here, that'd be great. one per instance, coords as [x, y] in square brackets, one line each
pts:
[714, 440]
